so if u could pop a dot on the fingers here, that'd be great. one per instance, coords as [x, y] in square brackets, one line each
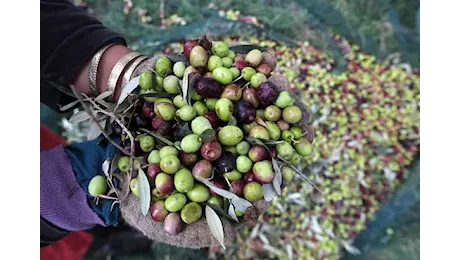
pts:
[196, 235]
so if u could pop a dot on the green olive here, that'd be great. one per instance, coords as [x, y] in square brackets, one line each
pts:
[211, 103]
[254, 57]
[272, 113]
[296, 131]
[243, 163]
[235, 73]
[175, 202]
[191, 212]
[179, 101]
[199, 193]
[191, 143]
[200, 124]
[158, 86]
[220, 49]
[198, 57]
[285, 150]
[146, 80]
[288, 173]
[179, 68]
[253, 191]
[154, 157]
[233, 175]
[223, 75]
[147, 143]
[287, 136]
[168, 150]
[292, 114]
[163, 65]
[231, 54]
[200, 108]
[248, 72]
[283, 100]
[134, 186]
[183, 180]
[230, 135]
[243, 148]
[260, 132]
[227, 62]
[214, 62]
[257, 79]
[123, 163]
[171, 84]
[273, 130]
[165, 110]
[170, 164]
[303, 147]
[216, 200]
[224, 109]
[97, 185]
[186, 113]
[247, 127]
[196, 96]
[147, 91]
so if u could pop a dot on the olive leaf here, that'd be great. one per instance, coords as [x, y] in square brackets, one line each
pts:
[215, 225]
[245, 48]
[174, 57]
[105, 167]
[241, 204]
[65, 90]
[253, 140]
[144, 192]
[208, 136]
[232, 120]
[104, 95]
[194, 78]
[114, 163]
[185, 86]
[231, 212]
[299, 173]
[129, 88]
[158, 94]
[94, 130]
[157, 136]
[219, 211]
[278, 177]
[78, 117]
[68, 106]
[269, 192]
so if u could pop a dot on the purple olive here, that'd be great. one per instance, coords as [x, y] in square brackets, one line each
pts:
[148, 110]
[188, 159]
[227, 162]
[208, 88]
[245, 113]
[211, 151]
[202, 169]
[283, 125]
[140, 121]
[181, 130]
[173, 224]
[161, 126]
[266, 93]
[158, 211]
[212, 118]
[258, 153]
[188, 46]
[250, 95]
[238, 186]
[249, 176]
[264, 68]
[240, 64]
[153, 170]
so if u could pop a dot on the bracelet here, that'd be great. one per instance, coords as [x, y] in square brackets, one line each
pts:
[118, 69]
[93, 68]
[129, 72]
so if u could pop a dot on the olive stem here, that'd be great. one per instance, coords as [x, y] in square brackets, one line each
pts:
[88, 110]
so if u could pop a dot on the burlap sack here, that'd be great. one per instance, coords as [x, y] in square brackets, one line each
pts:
[198, 235]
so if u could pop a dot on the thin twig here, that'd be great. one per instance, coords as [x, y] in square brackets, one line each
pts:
[131, 137]
[88, 110]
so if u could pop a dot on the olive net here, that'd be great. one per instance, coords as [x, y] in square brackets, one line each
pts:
[339, 53]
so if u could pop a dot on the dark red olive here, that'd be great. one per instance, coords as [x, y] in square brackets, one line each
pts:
[212, 118]
[188, 159]
[249, 176]
[219, 183]
[226, 162]
[211, 151]
[245, 112]
[161, 126]
[148, 110]
[240, 64]
[266, 93]
[188, 46]
[208, 88]
[238, 186]
[153, 170]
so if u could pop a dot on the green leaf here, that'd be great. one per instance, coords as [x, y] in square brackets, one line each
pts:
[157, 136]
[231, 212]
[78, 117]
[144, 192]
[269, 192]
[174, 57]
[69, 106]
[245, 48]
[215, 225]
[208, 136]
[219, 211]
[104, 95]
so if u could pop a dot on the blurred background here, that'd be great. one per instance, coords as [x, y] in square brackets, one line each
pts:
[357, 63]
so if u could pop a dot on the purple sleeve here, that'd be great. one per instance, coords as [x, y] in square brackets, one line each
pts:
[62, 201]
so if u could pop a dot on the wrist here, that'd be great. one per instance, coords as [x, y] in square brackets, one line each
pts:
[108, 60]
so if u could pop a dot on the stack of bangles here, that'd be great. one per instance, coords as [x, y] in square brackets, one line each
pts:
[122, 71]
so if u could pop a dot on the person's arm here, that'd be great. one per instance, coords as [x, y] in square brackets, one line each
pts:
[69, 38]
[68, 41]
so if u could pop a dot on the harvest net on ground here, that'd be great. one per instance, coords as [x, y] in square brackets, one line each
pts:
[366, 109]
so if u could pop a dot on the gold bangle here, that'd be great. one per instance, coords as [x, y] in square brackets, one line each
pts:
[93, 66]
[118, 69]
[129, 72]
